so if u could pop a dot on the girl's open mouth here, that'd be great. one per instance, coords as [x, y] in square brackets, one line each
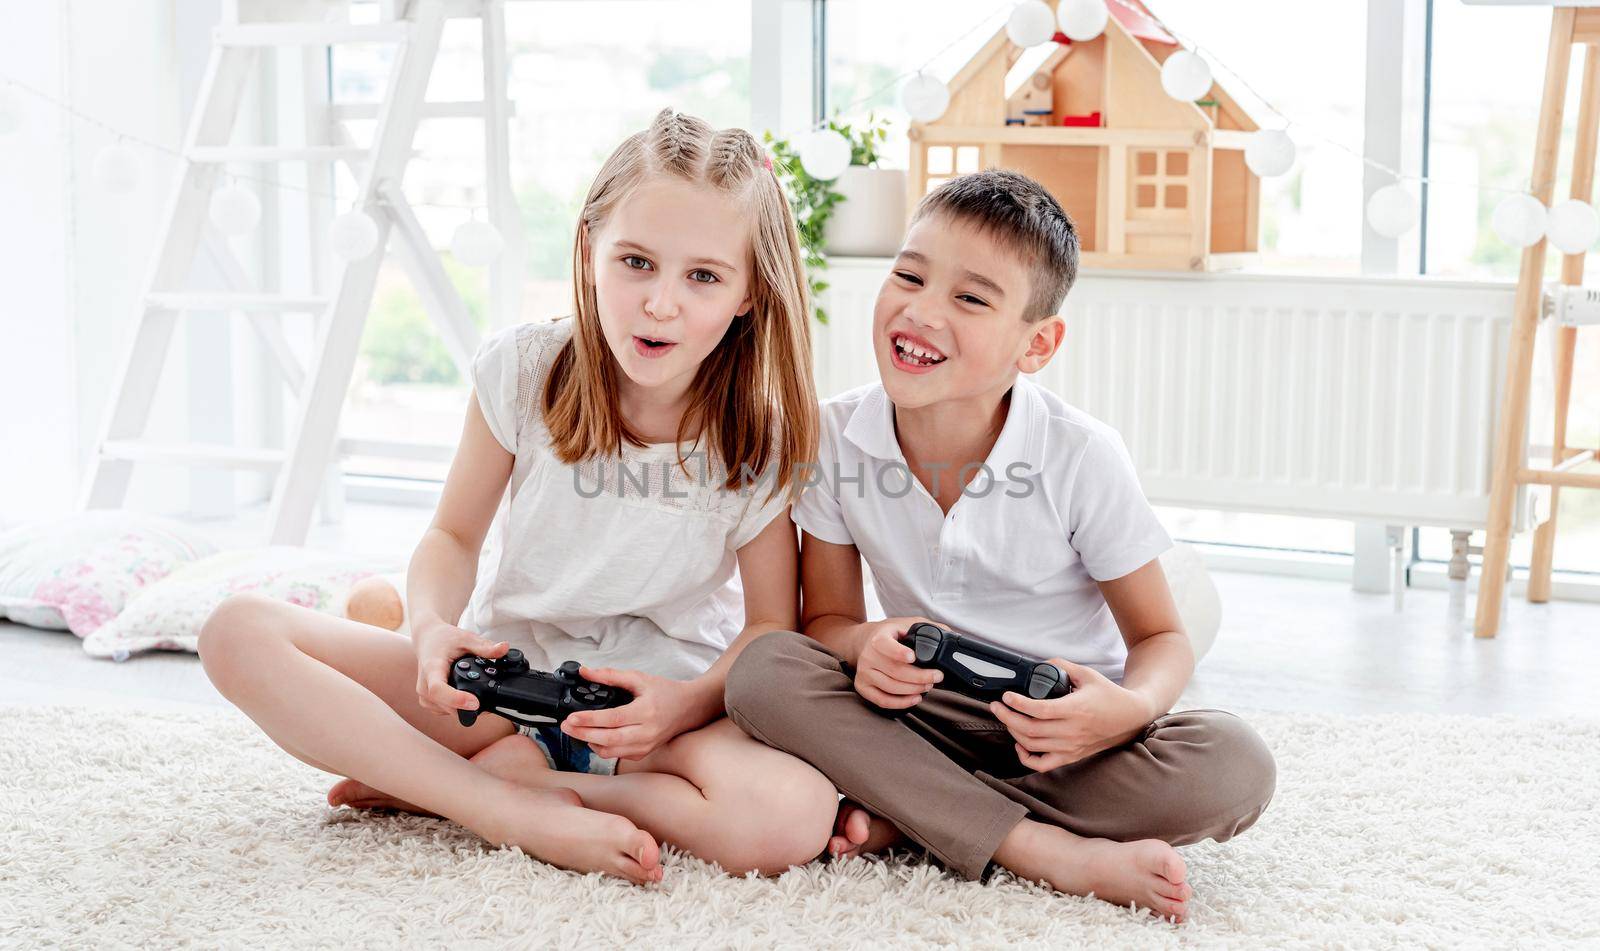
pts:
[652, 348]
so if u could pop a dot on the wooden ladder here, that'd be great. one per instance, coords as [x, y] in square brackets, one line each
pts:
[1569, 27]
[414, 28]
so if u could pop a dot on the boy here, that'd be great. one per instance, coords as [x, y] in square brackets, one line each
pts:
[985, 504]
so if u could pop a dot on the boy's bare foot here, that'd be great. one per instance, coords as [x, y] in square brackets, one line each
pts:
[513, 757]
[1148, 873]
[547, 826]
[858, 832]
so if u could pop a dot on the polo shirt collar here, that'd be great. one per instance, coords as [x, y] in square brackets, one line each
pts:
[1022, 438]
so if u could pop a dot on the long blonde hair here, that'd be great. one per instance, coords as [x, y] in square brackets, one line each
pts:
[752, 399]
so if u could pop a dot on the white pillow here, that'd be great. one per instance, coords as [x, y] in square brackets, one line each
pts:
[77, 572]
[168, 615]
[1195, 594]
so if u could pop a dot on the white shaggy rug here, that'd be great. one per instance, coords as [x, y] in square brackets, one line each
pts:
[169, 829]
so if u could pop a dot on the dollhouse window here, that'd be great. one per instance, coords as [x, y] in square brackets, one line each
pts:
[1160, 180]
[941, 159]
[966, 159]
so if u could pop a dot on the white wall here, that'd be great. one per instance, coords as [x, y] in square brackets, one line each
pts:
[75, 256]
[123, 68]
[38, 402]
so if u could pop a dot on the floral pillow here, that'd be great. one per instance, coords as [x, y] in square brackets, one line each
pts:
[77, 572]
[168, 615]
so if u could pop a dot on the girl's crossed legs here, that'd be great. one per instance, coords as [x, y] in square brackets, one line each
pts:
[341, 696]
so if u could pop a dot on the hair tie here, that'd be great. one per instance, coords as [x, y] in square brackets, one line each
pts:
[766, 159]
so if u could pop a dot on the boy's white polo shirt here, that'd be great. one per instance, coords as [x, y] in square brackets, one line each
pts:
[1057, 508]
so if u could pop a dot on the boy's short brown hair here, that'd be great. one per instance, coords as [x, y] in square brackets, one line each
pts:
[1020, 214]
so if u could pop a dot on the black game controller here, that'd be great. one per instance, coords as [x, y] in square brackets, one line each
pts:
[980, 669]
[505, 685]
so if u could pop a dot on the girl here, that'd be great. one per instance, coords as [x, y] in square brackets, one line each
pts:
[648, 442]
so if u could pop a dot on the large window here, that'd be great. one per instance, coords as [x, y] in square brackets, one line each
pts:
[865, 68]
[585, 73]
[1262, 53]
[1310, 218]
[1481, 130]
[583, 76]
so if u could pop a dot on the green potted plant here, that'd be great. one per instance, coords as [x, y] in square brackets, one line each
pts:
[860, 213]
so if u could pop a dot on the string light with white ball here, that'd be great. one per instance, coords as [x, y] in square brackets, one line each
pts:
[1185, 76]
[10, 112]
[1392, 211]
[1520, 220]
[233, 208]
[1082, 20]
[476, 243]
[352, 236]
[116, 168]
[824, 154]
[1572, 226]
[1031, 23]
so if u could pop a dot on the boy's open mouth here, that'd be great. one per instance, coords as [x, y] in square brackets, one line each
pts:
[913, 354]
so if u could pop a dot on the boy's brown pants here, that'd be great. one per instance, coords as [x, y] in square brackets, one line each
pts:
[946, 772]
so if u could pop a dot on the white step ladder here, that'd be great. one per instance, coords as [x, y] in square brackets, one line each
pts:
[414, 28]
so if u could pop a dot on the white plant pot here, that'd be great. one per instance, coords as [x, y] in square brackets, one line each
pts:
[871, 220]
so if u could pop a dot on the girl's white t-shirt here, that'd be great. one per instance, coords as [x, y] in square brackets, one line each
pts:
[613, 562]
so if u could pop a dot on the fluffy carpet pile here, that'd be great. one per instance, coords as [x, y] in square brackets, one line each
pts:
[169, 829]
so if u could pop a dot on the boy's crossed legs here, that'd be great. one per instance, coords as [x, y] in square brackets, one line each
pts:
[946, 773]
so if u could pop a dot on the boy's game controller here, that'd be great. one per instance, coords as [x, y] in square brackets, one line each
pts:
[983, 670]
[505, 686]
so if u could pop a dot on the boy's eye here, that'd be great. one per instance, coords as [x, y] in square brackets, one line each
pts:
[908, 276]
[702, 276]
[636, 262]
[969, 299]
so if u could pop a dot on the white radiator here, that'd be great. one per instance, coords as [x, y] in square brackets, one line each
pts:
[1359, 398]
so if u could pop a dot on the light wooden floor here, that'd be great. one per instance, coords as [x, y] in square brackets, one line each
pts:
[1287, 644]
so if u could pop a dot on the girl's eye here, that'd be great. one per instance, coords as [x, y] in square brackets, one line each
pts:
[636, 262]
[702, 276]
[909, 277]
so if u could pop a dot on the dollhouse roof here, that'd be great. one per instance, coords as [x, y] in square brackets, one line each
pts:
[1133, 20]
[1139, 21]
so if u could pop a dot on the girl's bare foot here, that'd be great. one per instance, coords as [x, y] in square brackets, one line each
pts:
[1148, 873]
[358, 795]
[513, 757]
[858, 832]
[549, 827]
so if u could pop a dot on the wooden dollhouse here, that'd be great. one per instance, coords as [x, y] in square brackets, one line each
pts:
[1151, 182]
